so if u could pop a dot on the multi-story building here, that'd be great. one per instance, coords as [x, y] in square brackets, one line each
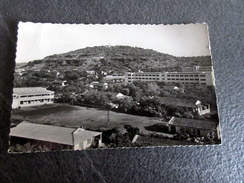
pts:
[31, 96]
[202, 78]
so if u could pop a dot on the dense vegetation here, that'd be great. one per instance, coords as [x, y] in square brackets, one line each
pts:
[116, 59]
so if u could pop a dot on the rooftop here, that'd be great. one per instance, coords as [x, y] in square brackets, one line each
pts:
[48, 133]
[193, 123]
[31, 90]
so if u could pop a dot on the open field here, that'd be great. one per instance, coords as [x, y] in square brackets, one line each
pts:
[75, 116]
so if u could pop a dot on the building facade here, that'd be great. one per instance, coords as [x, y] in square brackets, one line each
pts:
[196, 128]
[201, 78]
[31, 96]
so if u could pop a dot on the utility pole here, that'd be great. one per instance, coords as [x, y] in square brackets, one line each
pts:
[108, 115]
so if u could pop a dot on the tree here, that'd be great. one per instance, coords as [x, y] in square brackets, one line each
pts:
[137, 96]
[125, 104]
[71, 75]
[153, 88]
[125, 91]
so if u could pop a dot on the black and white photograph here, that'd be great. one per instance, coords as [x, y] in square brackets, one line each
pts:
[90, 86]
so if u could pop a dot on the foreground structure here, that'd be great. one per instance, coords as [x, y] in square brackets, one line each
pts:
[31, 96]
[194, 127]
[54, 137]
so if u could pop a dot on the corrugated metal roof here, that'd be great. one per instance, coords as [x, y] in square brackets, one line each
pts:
[48, 133]
[193, 123]
[31, 90]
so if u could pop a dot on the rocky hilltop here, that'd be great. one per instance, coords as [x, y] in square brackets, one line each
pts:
[116, 58]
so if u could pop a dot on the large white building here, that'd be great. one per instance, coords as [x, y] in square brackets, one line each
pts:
[31, 96]
[202, 78]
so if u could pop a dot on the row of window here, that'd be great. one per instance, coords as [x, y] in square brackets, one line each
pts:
[169, 79]
[169, 75]
[36, 101]
[144, 75]
[186, 79]
[136, 77]
[145, 78]
[192, 82]
[38, 95]
[191, 75]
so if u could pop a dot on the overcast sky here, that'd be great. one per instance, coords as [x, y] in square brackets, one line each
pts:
[36, 40]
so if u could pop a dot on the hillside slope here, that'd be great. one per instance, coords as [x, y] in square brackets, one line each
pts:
[116, 58]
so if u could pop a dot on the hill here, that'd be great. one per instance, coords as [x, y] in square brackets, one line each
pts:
[116, 58]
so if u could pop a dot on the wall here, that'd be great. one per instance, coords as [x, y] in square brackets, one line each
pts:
[216, 163]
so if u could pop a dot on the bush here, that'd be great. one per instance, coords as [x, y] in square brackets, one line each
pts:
[188, 115]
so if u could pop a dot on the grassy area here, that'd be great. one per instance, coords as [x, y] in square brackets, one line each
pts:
[75, 116]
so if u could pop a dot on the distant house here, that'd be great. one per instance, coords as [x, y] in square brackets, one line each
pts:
[122, 96]
[31, 96]
[60, 83]
[195, 127]
[54, 137]
[187, 104]
[113, 105]
[20, 71]
[91, 72]
[98, 86]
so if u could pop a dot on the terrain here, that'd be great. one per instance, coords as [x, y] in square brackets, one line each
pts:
[115, 59]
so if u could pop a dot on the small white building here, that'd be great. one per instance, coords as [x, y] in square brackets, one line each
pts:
[31, 96]
[55, 137]
[60, 83]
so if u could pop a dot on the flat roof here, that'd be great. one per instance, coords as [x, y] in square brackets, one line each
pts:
[193, 123]
[49, 133]
[31, 90]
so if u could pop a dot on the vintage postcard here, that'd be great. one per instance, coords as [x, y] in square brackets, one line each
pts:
[95, 86]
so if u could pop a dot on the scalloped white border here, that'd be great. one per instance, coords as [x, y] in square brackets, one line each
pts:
[143, 147]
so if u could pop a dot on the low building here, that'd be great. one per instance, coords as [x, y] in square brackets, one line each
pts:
[60, 83]
[31, 96]
[54, 137]
[191, 105]
[201, 78]
[114, 79]
[197, 68]
[194, 127]
[203, 68]
[98, 86]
